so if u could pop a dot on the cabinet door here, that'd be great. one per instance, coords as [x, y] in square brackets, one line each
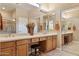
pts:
[62, 41]
[54, 42]
[49, 45]
[35, 40]
[70, 37]
[0, 51]
[22, 50]
[8, 51]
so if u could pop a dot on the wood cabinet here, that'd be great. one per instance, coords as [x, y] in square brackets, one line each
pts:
[22, 48]
[7, 48]
[35, 40]
[14, 48]
[54, 42]
[8, 51]
[62, 41]
[42, 38]
[66, 38]
[7, 44]
[70, 37]
[49, 44]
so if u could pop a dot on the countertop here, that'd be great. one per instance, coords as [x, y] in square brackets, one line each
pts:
[13, 38]
[66, 32]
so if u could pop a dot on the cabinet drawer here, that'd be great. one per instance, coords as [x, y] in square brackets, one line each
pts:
[42, 39]
[7, 44]
[20, 42]
[8, 51]
[54, 37]
[35, 40]
[50, 37]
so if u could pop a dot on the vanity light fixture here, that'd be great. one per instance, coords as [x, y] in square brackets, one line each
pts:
[43, 9]
[35, 4]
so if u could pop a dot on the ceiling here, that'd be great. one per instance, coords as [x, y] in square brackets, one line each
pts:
[8, 6]
[33, 11]
[25, 9]
[71, 13]
[61, 6]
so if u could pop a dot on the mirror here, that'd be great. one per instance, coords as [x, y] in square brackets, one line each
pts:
[67, 22]
[7, 18]
[15, 18]
[46, 22]
[49, 20]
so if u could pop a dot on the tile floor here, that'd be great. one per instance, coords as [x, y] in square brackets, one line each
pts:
[71, 49]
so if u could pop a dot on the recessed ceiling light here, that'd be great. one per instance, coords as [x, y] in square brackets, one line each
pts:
[3, 8]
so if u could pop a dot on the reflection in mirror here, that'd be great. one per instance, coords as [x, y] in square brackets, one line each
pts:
[15, 18]
[49, 22]
[8, 23]
[67, 22]
[21, 23]
[1, 22]
[46, 23]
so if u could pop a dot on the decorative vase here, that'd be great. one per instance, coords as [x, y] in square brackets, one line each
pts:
[30, 28]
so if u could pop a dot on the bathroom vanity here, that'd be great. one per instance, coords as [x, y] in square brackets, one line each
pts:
[20, 45]
[67, 37]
